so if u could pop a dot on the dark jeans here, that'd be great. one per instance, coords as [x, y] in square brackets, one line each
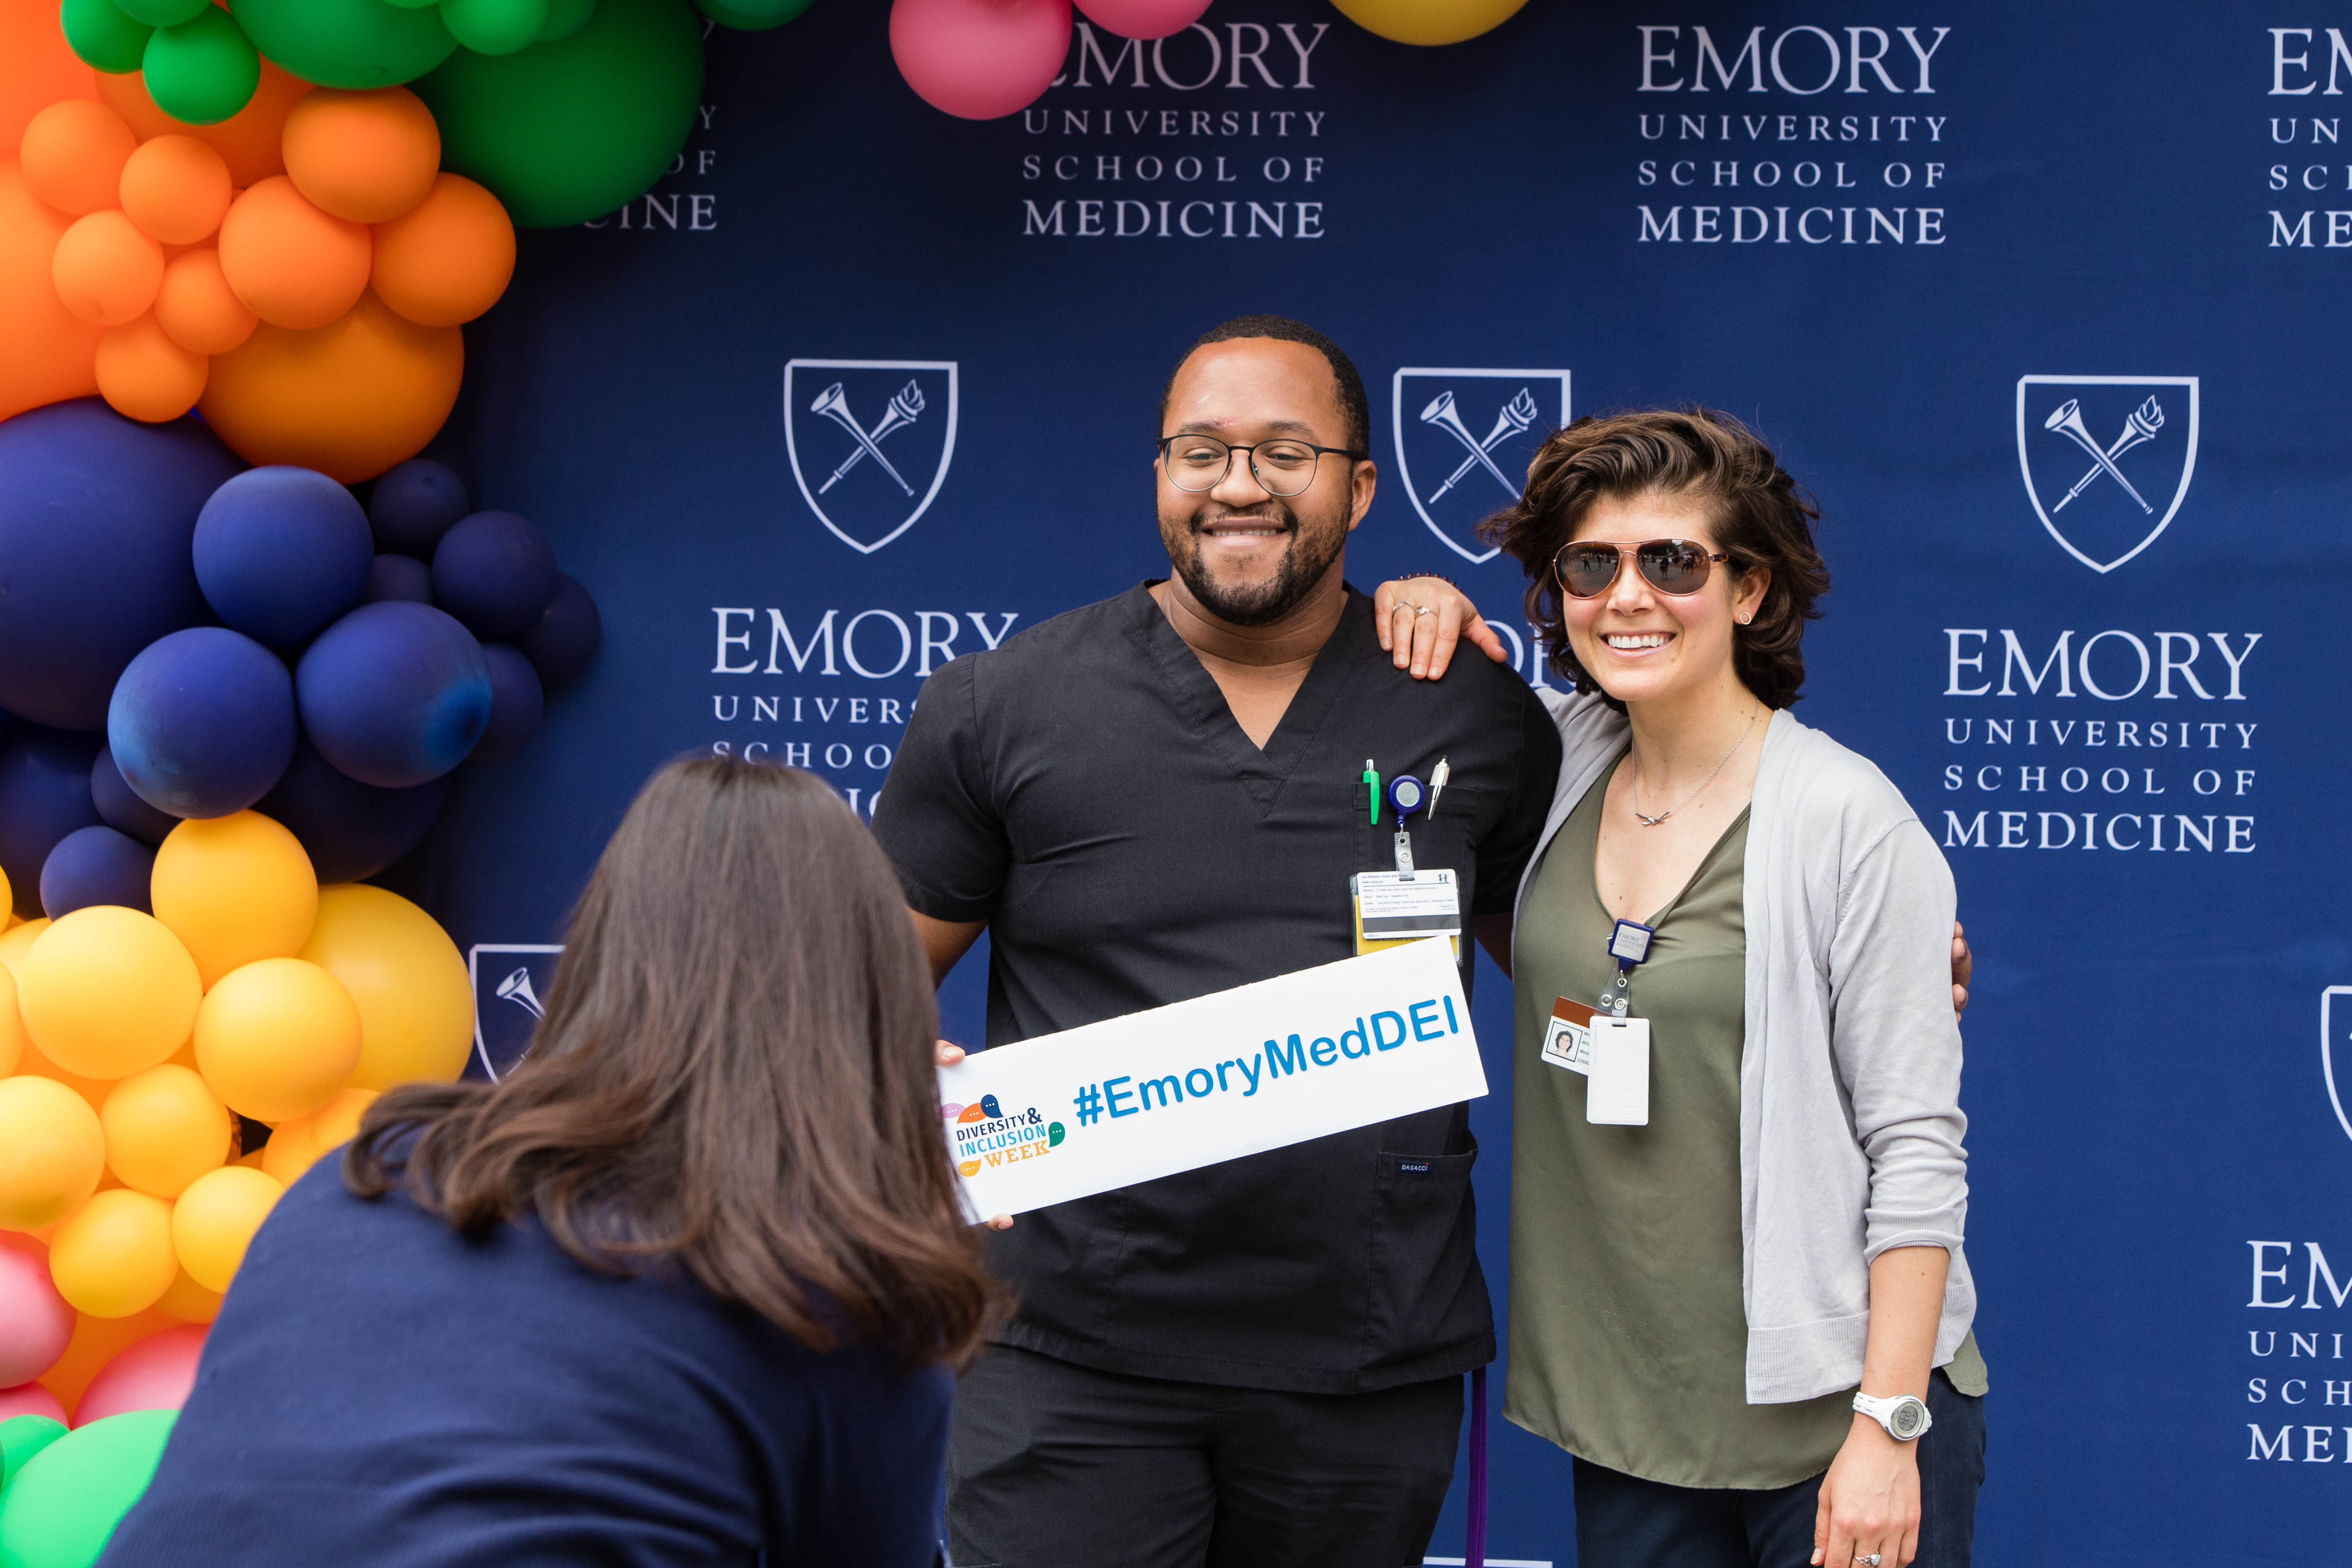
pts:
[1052, 1465]
[1624, 1521]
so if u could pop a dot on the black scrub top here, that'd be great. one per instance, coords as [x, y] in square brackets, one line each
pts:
[1086, 791]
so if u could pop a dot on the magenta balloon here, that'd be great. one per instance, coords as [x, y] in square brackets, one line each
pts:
[35, 1321]
[1143, 18]
[153, 1374]
[979, 59]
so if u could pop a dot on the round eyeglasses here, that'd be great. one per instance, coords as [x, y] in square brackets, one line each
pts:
[1286, 468]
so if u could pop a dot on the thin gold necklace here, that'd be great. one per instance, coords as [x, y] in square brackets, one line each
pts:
[1653, 821]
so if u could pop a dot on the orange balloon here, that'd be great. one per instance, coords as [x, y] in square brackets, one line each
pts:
[73, 154]
[197, 308]
[105, 270]
[292, 264]
[143, 375]
[448, 260]
[350, 400]
[366, 156]
[176, 189]
[41, 69]
[249, 139]
[51, 353]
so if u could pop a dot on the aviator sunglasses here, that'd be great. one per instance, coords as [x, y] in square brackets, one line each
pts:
[1586, 567]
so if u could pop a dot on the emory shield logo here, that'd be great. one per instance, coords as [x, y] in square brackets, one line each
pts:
[2106, 459]
[509, 980]
[2335, 1050]
[1464, 438]
[870, 441]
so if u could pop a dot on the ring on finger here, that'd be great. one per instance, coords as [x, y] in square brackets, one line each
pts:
[1420, 610]
[1869, 1560]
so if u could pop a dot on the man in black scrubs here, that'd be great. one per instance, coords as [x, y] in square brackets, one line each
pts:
[1160, 796]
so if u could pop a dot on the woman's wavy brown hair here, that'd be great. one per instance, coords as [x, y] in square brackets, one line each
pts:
[1760, 517]
[734, 1077]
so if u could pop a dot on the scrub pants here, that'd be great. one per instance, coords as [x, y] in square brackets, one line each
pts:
[1624, 1521]
[1052, 1465]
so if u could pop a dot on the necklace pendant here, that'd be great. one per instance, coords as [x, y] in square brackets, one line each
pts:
[1652, 821]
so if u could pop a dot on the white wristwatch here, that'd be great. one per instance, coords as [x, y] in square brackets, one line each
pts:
[1904, 1417]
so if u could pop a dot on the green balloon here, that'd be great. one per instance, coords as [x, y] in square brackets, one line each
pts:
[346, 43]
[565, 17]
[163, 13]
[202, 71]
[567, 131]
[752, 15]
[21, 1438]
[60, 1510]
[101, 36]
[494, 27]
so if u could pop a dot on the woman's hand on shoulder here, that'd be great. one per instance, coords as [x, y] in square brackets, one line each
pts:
[947, 1056]
[1419, 619]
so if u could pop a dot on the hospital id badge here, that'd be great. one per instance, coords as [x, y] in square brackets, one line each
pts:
[1617, 1091]
[1567, 1038]
[1393, 908]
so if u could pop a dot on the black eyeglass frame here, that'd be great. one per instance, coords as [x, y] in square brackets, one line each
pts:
[1320, 453]
[1640, 565]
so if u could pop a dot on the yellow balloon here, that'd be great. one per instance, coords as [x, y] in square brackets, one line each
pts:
[1429, 21]
[214, 1219]
[113, 1257]
[12, 1023]
[38, 1065]
[165, 1128]
[107, 992]
[18, 942]
[294, 1146]
[417, 1006]
[276, 1038]
[188, 1303]
[52, 1152]
[235, 888]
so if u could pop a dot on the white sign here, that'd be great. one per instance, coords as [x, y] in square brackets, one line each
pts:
[1259, 1067]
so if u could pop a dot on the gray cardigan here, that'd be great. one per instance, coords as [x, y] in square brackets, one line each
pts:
[1850, 1123]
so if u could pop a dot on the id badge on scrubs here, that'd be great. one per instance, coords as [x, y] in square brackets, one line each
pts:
[1617, 1080]
[1567, 1038]
[1393, 908]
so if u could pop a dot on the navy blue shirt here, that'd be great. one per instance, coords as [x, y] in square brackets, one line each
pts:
[379, 1391]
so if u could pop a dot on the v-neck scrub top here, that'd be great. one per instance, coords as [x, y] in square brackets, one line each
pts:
[1086, 790]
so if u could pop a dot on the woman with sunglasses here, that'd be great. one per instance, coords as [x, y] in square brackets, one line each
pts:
[1747, 1314]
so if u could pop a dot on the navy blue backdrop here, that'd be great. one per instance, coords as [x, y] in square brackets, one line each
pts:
[2042, 304]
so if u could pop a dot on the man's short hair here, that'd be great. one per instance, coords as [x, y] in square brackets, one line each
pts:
[1353, 405]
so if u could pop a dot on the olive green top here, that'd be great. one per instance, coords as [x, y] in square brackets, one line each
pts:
[1628, 1335]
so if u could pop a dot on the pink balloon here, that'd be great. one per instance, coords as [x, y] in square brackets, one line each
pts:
[31, 1399]
[35, 1321]
[1143, 18]
[979, 59]
[153, 1374]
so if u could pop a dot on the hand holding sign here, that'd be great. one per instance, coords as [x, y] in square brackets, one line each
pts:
[948, 1056]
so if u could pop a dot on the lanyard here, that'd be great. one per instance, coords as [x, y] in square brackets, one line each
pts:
[1629, 944]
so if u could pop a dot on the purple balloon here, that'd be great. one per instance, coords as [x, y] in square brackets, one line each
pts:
[97, 865]
[516, 704]
[564, 639]
[280, 552]
[413, 506]
[97, 513]
[203, 723]
[350, 829]
[495, 572]
[43, 795]
[395, 694]
[399, 577]
[120, 805]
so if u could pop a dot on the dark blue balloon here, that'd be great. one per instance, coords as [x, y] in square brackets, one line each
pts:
[97, 865]
[120, 806]
[96, 516]
[495, 572]
[563, 639]
[351, 829]
[203, 723]
[516, 704]
[43, 795]
[414, 505]
[399, 577]
[395, 694]
[280, 552]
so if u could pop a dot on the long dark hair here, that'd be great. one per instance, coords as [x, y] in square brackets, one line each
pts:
[734, 1077]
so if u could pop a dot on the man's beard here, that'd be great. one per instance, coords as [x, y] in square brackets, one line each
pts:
[1305, 559]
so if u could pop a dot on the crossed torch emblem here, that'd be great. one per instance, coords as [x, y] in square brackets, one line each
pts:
[1513, 418]
[2145, 422]
[904, 410]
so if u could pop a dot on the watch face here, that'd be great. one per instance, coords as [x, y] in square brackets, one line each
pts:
[1906, 1417]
